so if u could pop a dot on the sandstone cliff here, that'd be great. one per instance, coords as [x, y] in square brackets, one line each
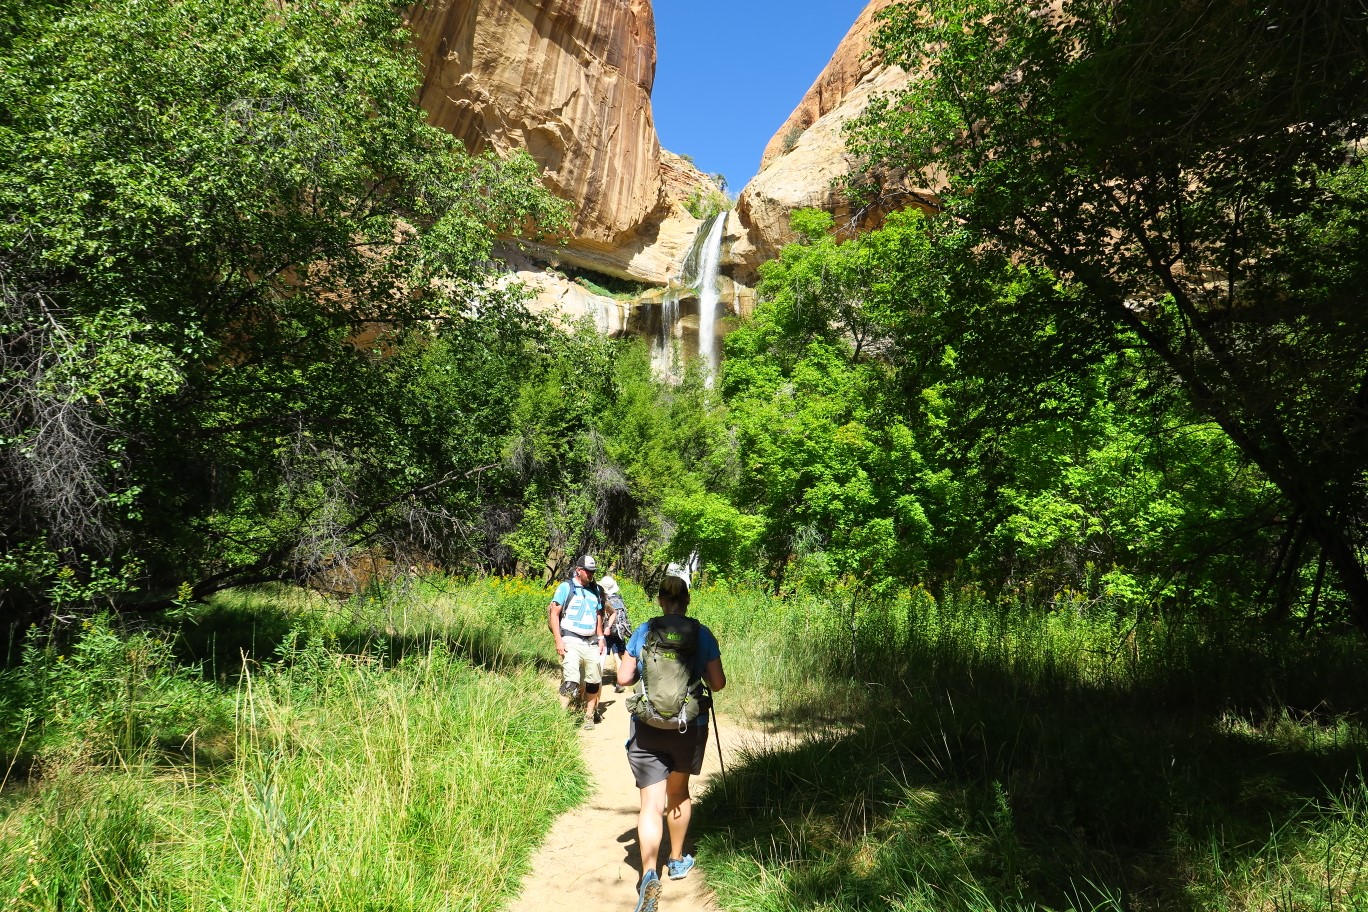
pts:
[849, 66]
[807, 154]
[570, 81]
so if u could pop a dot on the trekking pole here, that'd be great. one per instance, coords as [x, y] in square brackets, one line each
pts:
[717, 734]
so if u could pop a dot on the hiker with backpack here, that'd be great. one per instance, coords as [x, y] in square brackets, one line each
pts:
[617, 629]
[679, 663]
[575, 622]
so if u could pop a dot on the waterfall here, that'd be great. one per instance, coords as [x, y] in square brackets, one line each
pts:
[663, 351]
[709, 296]
[685, 571]
[698, 272]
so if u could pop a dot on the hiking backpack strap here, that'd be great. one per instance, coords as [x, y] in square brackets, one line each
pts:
[596, 589]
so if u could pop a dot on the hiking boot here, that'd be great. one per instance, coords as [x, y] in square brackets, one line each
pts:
[679, 868]
[588, 725]
[649, 899]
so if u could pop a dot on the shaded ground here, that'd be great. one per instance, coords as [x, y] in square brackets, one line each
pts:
[590, 859]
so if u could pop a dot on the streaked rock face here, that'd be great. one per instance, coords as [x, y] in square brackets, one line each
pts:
[653, 251]
[568, 80]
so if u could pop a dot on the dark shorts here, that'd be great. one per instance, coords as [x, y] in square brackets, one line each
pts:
[615, 644]
[654, 753]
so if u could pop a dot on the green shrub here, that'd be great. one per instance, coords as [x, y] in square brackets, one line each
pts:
[600, 283]
[109, 696]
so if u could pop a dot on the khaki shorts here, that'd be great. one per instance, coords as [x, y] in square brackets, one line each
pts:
[581, 663]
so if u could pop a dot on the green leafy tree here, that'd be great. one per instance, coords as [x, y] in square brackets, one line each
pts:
[610, 459]
[832, 475]
[672, 444]
[563, 485]
[238, 271]
[908, 414]
[1191, 174]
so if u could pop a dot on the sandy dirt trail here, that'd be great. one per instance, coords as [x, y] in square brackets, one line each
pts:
[590, 859]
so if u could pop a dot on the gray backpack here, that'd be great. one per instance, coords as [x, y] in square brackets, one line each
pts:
[667, 695]
[621, 627]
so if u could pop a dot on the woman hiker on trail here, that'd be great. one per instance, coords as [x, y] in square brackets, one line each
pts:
[662, 759]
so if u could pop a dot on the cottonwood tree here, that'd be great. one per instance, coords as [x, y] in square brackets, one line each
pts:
[1192, 173]
[245, 309]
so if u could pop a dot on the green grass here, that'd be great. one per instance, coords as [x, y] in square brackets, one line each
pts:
[605, 285]
[776, 654]
[355, 760]
[952, 754]
[926, 753]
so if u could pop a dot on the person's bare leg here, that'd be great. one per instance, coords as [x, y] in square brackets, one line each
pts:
[591, 699]
[650, 824]
[678, 810]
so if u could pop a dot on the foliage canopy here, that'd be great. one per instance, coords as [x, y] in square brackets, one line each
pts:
[1192, 176]
[245, 290]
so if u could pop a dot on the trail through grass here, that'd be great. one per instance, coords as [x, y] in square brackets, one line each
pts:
[932, 752]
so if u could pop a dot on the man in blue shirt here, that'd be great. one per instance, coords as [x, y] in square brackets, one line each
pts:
[662, 760]
[574, 619]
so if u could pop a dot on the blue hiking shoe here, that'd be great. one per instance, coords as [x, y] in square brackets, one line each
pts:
[679, 868]
[649, 899]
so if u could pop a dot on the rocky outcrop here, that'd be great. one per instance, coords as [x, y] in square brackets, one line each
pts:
[552, 291]
[806, 176]
[568, 80]
[652, 251]
[545, 272]
[849, 66]
[806, 157]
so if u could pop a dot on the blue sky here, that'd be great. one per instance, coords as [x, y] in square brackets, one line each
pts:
[729, 73]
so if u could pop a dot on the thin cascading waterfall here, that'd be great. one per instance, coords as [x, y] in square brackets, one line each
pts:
[685, 571]
[692, 268]
[697, 272]
[663, 351]
[709, 295]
